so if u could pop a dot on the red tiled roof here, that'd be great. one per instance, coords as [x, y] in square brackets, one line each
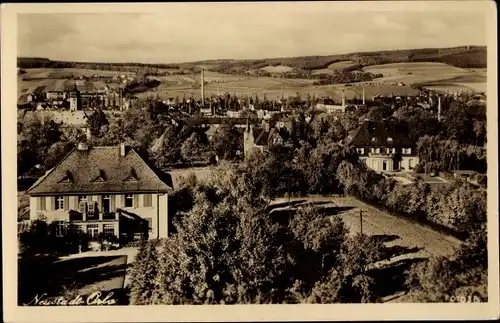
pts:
[77, 173]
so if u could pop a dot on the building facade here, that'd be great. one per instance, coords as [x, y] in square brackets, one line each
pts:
[108, 190]
[383, 147]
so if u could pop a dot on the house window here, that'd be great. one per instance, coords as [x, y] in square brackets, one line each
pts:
[372, 150]
[384, 165]
[59, 228]
[360, 151]
[407, 151]
[410, 163]
[129, 200]
[148, 200]
[109, 229]
[77, 228]
[93, 230]
[377, 150]
[82, 198]
[106, 203]
[59, 202]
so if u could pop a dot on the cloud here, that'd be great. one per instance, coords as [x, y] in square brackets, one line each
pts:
[383, 22]
[433, 26]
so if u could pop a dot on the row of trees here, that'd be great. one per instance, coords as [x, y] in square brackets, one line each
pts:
[345, 76]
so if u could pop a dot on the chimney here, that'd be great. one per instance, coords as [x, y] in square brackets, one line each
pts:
[122, 150]
[343, 99]
[363, 96]
[83, 146]
[439, 108]
[202, 87]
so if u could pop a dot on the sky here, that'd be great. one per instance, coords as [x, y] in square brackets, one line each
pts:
[191, 32]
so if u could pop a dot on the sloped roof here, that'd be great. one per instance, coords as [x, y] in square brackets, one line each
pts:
[77, 173]
[261, 136]
[377, 133]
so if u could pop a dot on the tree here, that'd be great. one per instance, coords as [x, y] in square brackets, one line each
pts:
[226, 142]
[166, 149]
[194, 147]
[56, 152]
[143, 274]
[228, 250]
[96, 121]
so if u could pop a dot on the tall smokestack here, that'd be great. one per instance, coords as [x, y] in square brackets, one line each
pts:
[363, 96]
[202, 87]
[439, 108]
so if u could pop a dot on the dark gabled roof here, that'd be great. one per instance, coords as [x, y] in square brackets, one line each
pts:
[378, 133]
[261, 136]
[39, 90]
[100, 169]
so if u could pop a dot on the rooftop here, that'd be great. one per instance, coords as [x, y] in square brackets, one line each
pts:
[379, 133]
[103, 170]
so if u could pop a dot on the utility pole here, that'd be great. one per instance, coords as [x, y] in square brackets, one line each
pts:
[361, 221]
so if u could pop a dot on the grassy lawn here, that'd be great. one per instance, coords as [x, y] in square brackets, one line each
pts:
[70, 277]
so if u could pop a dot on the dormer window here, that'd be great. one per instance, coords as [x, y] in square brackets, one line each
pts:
[132, 175]
[389, 140]
[374, 139]
[407, 151]
[101, 177]
[68, 178]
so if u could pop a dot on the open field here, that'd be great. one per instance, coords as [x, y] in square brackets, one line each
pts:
[68, 72]
[437, 76]
[430, 74]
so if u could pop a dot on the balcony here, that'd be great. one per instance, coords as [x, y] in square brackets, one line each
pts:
[102, 216]
[381, 154]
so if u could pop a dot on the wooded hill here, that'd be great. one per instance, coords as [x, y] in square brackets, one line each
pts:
[464, 57]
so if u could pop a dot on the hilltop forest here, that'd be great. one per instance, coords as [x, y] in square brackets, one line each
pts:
[464, 57]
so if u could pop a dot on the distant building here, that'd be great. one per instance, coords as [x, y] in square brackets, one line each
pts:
[262, 137]
[382, 147]
[107, 190]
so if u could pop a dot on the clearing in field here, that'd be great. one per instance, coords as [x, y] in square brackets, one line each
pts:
[338, 66]
[277, 69]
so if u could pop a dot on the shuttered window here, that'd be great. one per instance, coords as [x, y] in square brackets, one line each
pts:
[40, 203]
[112, 203]
[136, 200]
[147, 200]
[66, 203]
